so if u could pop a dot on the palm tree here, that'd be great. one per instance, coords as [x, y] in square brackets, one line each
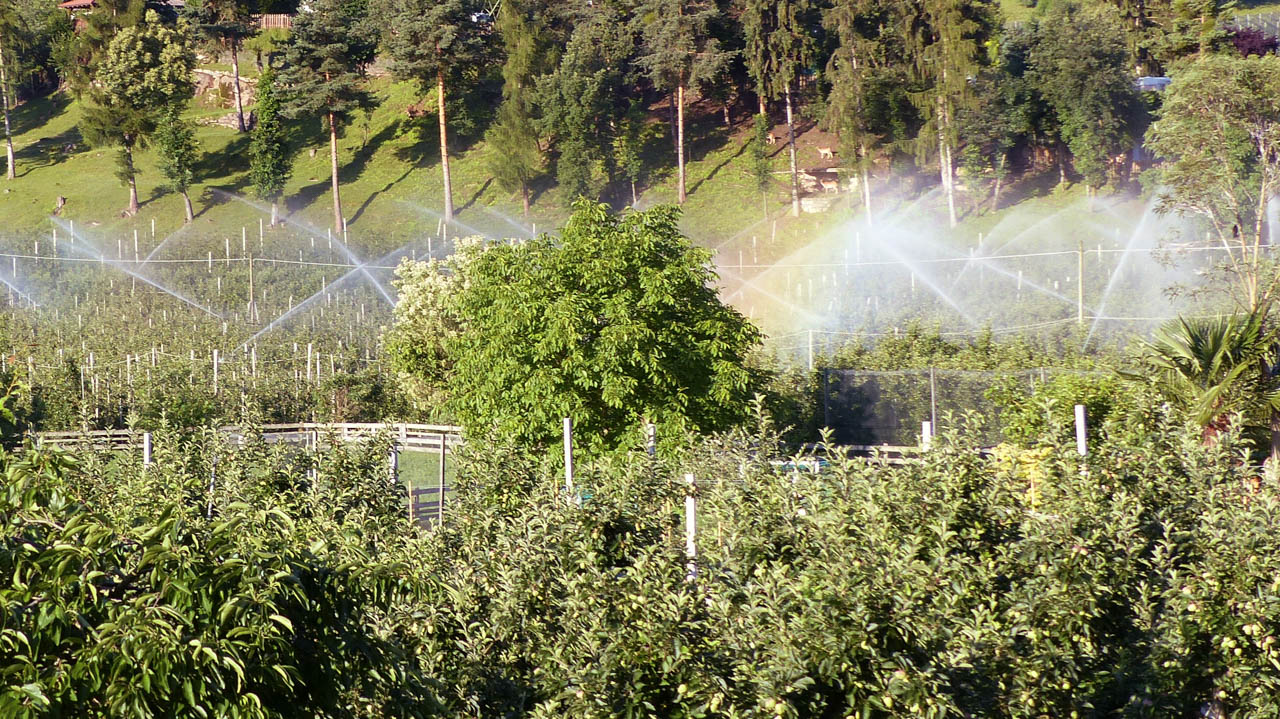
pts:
[1212, 368]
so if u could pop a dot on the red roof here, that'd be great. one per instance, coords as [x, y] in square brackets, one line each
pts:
[76, 4]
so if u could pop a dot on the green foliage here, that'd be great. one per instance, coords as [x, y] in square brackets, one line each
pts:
[1218, 128]
[270, 156]
[177, 150]
[613, 322]
[327, 51]
[760, 168]
[1045, 415]
[1079, 63]
[1212, 369]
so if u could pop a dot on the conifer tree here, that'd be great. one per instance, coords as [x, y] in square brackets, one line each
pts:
[944, 42]
[331, 44]
[516, 155]
[779, 45]
[228, 23]
[269, 154]
[437, 43]
[145, 68]
[677, 53]
[177, 151]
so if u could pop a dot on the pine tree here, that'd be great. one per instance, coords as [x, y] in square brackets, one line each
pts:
[228, 23]
[177, 153]
[329, 48]
[944, 43]
[678, 53]
[437, 43]
[760, 169]
[145, 69]
[269, 155]
[779, 45]
[516, 157]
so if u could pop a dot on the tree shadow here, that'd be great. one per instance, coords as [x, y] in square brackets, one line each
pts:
[36, 113]
[49, 151]
[720, 166]
[470, 203]
[372, 196]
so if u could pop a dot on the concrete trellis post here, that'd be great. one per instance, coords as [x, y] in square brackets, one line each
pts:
[146, 449]
[1082, 430]
[568, 456]
[444, 448]
[926, 435]
[691, 529]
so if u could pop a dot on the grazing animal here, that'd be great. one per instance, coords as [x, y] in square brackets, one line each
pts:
[830, 185]
[826, 153]
[770, 139]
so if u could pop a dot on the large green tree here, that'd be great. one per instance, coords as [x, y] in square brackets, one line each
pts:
[779, 42]
[146, 68]
[270, 156]
[227, 23]
[440, 44]
[516, 156]
[678, 52]
[614, 321]
[329, 47]
[944, 42]
[1080, 64]
[176, 154]
[1218, 131]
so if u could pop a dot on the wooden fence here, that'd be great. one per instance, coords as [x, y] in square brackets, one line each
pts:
[275, 22]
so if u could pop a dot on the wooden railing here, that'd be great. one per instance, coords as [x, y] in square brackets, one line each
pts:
[275, 22]
[407, 437]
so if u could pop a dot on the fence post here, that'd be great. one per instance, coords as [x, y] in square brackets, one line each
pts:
[1080, 284]
[690, 529]
[926, 435]
[810, 350]
[215, 371]
[394, 464]
[933, 398]
[440, 504]
[146, 449]
[1082, 431]
[651, 439]
[568, 456]
[826, 398]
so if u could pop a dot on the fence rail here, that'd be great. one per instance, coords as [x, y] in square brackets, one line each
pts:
[407, 437]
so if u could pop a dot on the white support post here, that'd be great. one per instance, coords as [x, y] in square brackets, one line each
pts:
[690, 529]
[146, 449]
[215, 371]
[651, 439]
[1082, 430]
[393, 462]
[926, 435]
[568, 456]
[444, 448]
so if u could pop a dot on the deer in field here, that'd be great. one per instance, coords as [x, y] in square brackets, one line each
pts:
[826, 153]
[829, 185]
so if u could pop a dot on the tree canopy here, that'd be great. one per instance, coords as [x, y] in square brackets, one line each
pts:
[613, 322]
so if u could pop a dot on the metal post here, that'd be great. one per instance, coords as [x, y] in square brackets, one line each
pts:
[810, 350]
[215, 371]
[444, 441]
[651, 439]
[691, 529]
[926, 435]
[146, 449]
[1082, 431]
[568, 456]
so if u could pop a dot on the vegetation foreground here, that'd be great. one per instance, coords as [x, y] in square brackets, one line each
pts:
[254, 581]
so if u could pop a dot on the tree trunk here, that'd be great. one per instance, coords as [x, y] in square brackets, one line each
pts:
[728, 121]
[333, 173]
[681, 194]
[186, 205]
[635, 200]
[235, 76]
[1062, 166]
[11, 172]
[524, 196]
[995, 195]
[795, 172]
[275, 212]
[132, 209]
[945, 169]
[444, 148]
[866, 182]
[760, 98]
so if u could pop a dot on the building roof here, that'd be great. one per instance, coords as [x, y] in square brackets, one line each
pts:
[76, 4]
